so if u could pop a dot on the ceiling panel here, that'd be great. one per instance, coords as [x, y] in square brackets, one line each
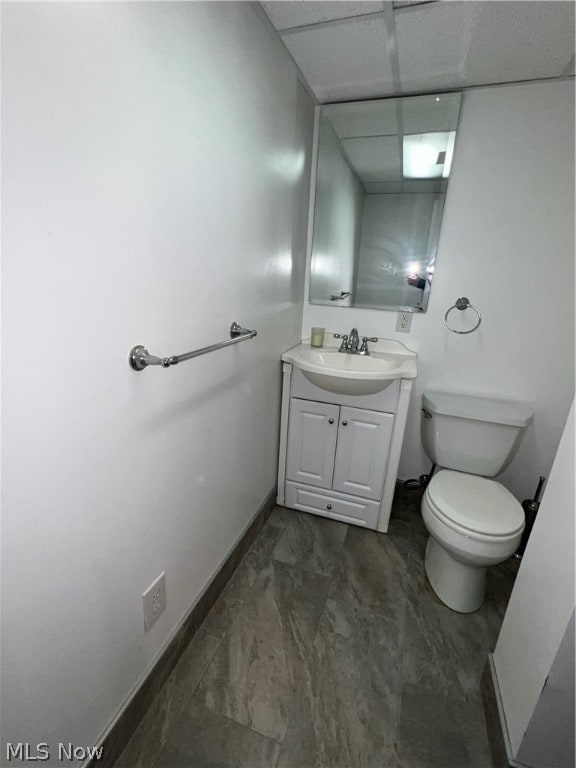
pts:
[285, 15]
[364, 118]
[345, 61]
[376, 158]
[520, 41]
[440, 45]
[433, 42]
[459, 44]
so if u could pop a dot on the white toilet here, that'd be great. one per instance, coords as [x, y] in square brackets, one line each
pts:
[473, 522]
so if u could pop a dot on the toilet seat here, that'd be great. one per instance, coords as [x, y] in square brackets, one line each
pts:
[474, 506]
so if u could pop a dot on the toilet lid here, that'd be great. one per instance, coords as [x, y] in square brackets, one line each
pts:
[476, 503]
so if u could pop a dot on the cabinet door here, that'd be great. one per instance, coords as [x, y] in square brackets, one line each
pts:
[312, 430]
[362, 453]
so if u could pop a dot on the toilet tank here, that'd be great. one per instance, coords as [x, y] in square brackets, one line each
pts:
[472, 433]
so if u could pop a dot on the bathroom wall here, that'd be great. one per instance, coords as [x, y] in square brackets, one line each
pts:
[549, 738]
[542, 600]
[507, 243]
[338, 220]
[156, 163]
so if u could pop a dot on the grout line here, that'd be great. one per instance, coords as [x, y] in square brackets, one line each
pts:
[346, 20]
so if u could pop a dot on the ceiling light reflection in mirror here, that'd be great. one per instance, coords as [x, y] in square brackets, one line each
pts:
[382, 173]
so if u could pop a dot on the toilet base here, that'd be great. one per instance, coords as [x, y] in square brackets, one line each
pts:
[459, 586]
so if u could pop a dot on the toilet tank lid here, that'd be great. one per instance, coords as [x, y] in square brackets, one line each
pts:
[477, 407]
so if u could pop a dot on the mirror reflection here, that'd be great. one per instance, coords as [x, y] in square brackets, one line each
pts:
[382, 173]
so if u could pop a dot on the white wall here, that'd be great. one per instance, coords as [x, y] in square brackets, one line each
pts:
[507, 243]
[542, 600]
[549, 738]
[156, 159]
[338, 218]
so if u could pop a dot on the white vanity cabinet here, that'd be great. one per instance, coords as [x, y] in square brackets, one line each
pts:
[339, 453]
[338, 447]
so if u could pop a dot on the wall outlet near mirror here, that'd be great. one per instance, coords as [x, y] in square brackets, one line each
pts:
[403, 322]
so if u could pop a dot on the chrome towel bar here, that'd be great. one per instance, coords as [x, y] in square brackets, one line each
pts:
[139, 357]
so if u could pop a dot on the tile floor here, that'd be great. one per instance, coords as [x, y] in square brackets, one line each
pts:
[328, 648]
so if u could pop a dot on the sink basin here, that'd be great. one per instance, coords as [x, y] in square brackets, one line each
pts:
[353, 374]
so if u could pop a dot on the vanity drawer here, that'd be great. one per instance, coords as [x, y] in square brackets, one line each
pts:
[338, 506]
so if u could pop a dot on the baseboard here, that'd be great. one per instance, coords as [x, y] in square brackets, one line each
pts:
[493, 725]
[498, 738]
[130, 716]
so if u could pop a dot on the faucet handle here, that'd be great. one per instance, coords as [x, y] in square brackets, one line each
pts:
[344, 345]
[364, 347]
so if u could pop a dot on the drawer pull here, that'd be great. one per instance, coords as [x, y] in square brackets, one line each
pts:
[330, 421]
[328, 506]
[344, 423]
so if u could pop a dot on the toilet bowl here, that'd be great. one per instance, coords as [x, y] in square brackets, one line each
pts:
[473, 522]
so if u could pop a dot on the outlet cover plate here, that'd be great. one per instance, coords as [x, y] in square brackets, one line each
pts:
[154, 601]
[403, 322]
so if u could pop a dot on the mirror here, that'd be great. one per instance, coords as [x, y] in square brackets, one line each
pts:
[382, 173]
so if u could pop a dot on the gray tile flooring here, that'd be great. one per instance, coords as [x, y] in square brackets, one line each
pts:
[328, 648]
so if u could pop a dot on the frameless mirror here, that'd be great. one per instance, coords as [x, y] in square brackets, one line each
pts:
[382, 173]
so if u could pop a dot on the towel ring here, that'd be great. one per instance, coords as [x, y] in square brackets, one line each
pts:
[461, 304]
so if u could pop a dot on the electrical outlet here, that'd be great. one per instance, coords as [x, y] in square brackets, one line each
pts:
[154, 601]
[403, 322]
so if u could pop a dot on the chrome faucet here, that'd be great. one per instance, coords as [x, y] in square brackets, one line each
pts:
[351, 341]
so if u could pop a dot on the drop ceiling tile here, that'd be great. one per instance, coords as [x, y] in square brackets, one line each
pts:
[433, 42]
[364, 118]
[459, 44]
[520, 41]
[285, 15]
[344, 61]
[376, 158]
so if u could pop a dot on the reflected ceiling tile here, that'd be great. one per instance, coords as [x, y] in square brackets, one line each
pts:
[345, 60]
[520, 41]
[285, 15]
[426, 114]
[382, 187]
[433, 43]
[427, 186]
[375, 159]
[364, 118]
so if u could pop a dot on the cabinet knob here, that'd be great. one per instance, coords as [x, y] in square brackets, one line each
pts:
[330, 421]
[328, 506]
[344, 423]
